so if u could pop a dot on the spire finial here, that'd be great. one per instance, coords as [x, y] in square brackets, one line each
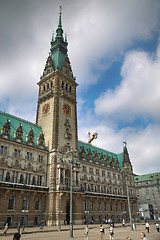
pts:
[60, 10]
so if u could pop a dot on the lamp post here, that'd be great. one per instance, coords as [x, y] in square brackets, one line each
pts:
[71, 188]
[129, 208]
[24, 211]
[59, 213]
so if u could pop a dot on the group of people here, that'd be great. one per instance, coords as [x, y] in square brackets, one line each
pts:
[111, 232]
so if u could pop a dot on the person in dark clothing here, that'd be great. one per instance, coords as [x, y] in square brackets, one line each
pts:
[17, 236]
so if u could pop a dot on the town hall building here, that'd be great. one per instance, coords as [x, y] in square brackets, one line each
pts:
[41, 162]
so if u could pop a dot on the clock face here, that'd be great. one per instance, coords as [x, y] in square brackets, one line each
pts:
[45, 108]
[67, 109]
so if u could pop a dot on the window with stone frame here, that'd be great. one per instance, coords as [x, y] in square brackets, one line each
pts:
[39, 180]
[8, 177]
[111, 207]
[37, 204]
[25, 204]
[11, 202]
[92, 206]
[2, 175]
[29, 156]
[17, 153]
[33, 180]
[105, 206]
[3, 150]
[99, 206]
[21, 180]
[117, 207]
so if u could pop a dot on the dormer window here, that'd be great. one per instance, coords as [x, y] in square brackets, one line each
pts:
[5, 130]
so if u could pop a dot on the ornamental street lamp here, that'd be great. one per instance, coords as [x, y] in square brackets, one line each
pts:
[72, 152]
[129, 208]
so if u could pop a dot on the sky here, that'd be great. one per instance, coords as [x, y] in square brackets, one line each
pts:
[114, 50]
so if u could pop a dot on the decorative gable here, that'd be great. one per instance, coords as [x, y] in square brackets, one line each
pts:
[30, 137]
[5, 130]
[40, 141]
[66, 67]
[18, 134]
[49, 67]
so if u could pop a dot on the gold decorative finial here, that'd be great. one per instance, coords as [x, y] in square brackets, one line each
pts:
[60, 10]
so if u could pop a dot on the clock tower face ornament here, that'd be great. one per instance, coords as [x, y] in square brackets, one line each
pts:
[67, 109]
[45, 108]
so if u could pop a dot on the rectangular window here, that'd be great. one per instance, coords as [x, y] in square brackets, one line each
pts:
[27, 155]
[12, 179]
[1, 175]
[16, 177]
[2, 149]
[19, 153]
[92, 206]
[5, 150]
[30, 156]
[15, 152]
[39, 158]
[105, 206]
[85, 206]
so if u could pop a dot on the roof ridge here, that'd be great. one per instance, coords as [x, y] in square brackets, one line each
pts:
[99, 148]
[18, 118]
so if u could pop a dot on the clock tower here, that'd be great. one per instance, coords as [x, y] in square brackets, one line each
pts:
[57, 113]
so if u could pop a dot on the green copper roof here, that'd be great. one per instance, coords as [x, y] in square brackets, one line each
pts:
[58, 50]
[88, 147]
[147, 177]
[14, 124]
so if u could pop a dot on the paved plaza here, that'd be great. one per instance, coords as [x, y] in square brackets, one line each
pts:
[51, 233]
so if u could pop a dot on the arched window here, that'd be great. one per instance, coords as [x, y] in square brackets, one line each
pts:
[66, 87]
[70, 89]
[21, 179]
[7, 177]
[25, 204]
[37, 204]
[44, 88]
[51, 84]
[11, 203]
[62, 84]
[47, 85]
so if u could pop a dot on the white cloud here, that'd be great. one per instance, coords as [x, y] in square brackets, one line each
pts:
[138, 92]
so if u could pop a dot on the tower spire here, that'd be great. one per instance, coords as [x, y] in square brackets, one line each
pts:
[59, 30]
[58, 50]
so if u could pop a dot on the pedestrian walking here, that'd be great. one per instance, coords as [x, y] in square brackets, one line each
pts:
[41, 224]
[111, 232]
[16, 236]
[5, 229]
[157, 226]
[101, 231]
[128, 238]
[147, 227]
[123, 223]
[143, 236]
[86, 232]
